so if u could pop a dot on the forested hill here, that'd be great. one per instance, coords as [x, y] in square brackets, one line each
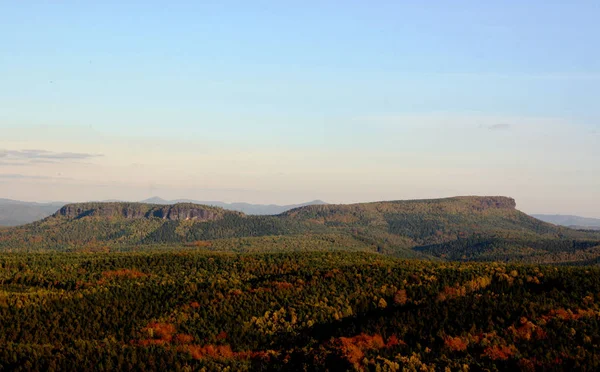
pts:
[432, 220]
[119, 225]
[176, 212]
[16, 213]
[460, 228]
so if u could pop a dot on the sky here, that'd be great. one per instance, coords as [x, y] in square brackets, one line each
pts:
[289, 101]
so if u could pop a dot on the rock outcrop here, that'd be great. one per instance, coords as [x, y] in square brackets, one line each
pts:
[177, 212]
[500, 202]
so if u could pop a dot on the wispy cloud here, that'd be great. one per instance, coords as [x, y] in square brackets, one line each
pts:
[13, 163]
[18, 176]
[44, 154]
[27, 157]
[499, 127]
[14, 176]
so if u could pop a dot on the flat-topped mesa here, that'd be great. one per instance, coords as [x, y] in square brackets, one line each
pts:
[177, 212]
[457, 204]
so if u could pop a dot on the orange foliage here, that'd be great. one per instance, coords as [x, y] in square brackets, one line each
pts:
[184, 339]
[476, 284]
[526, 365]
[332, 273]
[260, 289]
[394, 341]
[499, 352]
[81, 284]
[224, 352]
[195, 305]
[540, 334]
[563, 314]
[527, 330]
[209, 351]
[163, 334]
[451, 292]
[160, 331]
[36, 239]
[456, 343]
[123, 273]
[353, 348]
[149, 342]
[365, 341]
[400, 297]
[283, 285]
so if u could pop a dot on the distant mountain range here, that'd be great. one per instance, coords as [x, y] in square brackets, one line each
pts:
[253, 209]
[575, 222]
[15, 213]
[459, 228]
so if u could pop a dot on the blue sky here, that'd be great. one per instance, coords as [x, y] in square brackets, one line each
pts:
[282, 101]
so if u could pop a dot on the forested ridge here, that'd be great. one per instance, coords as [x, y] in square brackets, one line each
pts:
[189, 310]
[460, 228]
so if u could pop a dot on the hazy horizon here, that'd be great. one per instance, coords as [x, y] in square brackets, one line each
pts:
[273, 103]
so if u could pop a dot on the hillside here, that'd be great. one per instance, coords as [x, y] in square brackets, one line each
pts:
[15, 213]
[115, 224]
[460, 228]
[431, 221]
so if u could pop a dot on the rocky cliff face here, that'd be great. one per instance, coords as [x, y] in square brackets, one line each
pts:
[175, 212]
[179, 212]
[499, 202]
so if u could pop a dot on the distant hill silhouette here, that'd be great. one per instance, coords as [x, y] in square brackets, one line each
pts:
[570, 221]
[247, 208]
[14, 212]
